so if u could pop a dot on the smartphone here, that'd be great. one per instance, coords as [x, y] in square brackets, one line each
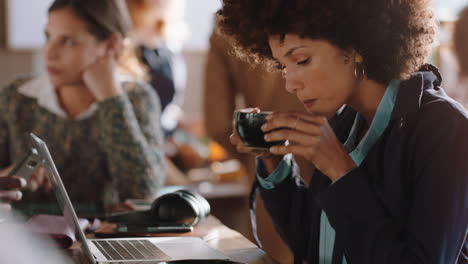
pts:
[27, 164]
[157, 228]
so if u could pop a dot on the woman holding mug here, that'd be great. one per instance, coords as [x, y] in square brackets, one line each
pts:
[394, 189]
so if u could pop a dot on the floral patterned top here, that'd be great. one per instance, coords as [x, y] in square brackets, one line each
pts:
[113, 151]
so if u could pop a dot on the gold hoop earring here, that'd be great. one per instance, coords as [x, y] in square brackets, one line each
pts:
[355, 72]
[359, 73]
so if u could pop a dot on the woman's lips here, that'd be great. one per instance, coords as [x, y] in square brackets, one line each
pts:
[53, 70]
[309, 103]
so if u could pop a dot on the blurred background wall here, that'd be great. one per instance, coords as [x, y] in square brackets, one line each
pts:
[21, 36]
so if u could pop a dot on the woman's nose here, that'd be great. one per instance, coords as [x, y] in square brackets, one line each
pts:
[51, 53]
[292, 85]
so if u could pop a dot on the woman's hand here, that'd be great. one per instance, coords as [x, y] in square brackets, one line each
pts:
[39, 179]
[311, 137]
[100, 78]
[10, 186]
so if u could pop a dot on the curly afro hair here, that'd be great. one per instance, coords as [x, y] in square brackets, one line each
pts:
[393, 36]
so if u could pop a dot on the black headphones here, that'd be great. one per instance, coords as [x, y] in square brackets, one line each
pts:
[181, 206]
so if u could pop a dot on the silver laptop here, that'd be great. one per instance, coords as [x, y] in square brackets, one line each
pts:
[123, 250]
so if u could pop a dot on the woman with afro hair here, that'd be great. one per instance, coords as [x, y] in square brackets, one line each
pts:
[391, 177]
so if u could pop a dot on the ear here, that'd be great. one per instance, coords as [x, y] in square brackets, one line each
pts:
[115, 44]
[351, 55]
[357, 57]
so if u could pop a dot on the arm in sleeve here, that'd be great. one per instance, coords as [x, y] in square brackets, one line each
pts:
[286, 199]
[132, 138]
[282, 171]
[437, 224]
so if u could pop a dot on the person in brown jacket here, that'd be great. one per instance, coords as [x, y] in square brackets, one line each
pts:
[460, 42]
[231, 84]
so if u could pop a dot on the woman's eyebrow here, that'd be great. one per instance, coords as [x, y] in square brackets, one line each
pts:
[291, 50]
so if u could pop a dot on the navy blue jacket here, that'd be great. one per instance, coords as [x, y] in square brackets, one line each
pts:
[408, 200]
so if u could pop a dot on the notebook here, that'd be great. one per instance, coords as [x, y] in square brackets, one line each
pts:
[123, 250]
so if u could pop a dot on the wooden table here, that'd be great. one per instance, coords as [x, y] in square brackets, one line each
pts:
[229, 203]
[218, 236]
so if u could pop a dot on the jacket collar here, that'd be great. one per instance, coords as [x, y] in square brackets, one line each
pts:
[410, 94]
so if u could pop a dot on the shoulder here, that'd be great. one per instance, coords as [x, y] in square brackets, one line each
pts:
[437, 106]
[12, 88]
[434, 137]
[218, 41]
[439, 125]
[427, 117]
[135, 88]
[423, 100]
[439, 116]
[18, 82]
[140, 92]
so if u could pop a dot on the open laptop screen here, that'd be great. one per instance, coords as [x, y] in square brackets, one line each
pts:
[60, 192]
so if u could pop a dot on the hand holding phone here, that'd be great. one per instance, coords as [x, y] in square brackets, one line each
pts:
[10, 187]
[17, 176]
[27, 165]
[30, 168]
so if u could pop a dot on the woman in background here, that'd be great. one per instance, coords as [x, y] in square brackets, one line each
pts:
[158, 31]
[460, 43]
[92, 108]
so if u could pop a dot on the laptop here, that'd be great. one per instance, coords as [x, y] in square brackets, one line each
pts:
[123, 250]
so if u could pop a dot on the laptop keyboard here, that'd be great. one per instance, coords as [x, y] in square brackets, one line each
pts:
[129, 249]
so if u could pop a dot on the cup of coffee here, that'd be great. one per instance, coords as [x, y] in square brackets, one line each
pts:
[248, 125]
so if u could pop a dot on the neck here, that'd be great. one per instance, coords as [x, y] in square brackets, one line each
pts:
[74, 99]
[367, 98]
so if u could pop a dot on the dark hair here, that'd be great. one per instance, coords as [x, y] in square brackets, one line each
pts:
[393, 36]
[105, 17]
[460, 39]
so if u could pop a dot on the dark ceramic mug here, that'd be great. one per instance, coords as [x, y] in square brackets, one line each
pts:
[248, 125]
